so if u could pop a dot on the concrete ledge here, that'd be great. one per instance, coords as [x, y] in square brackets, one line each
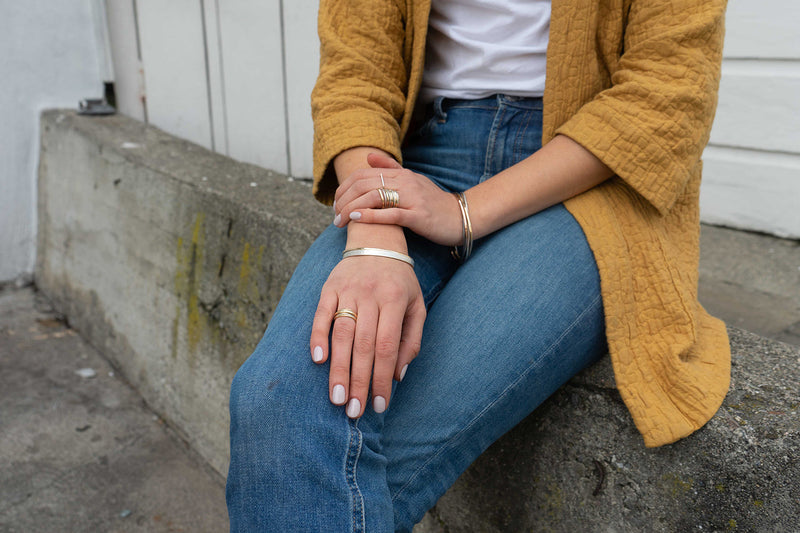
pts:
[578, 464]
[167, 257]
[170, 259]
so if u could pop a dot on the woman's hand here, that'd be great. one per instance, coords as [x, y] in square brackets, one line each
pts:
[381, 342]
[423, 208]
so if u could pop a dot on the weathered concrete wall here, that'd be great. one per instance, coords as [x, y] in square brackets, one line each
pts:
[167, 257]
[171, 259]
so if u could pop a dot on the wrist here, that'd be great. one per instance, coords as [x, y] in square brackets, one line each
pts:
[384, 236]
[353, 159]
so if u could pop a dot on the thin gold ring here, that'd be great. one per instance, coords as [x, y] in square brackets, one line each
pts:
[349, 313]
[383, 183]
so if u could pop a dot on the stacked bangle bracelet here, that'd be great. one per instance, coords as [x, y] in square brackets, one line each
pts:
[379, 252]
[466, 248]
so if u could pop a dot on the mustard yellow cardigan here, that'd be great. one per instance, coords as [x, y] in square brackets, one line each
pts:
[633, 81]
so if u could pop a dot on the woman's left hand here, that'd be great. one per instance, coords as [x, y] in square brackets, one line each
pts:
[423, 207]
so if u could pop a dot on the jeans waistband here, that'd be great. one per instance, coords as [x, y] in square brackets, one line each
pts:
[442, 103]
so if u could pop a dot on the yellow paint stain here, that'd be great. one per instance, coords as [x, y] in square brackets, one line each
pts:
[248, 285]
[245, 269]
[732, 524]
[180, 291]
[241, 318]
[187, 282]
[195, 321]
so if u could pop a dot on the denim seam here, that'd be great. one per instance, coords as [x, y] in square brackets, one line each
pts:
[491, 142]
[499, 397]
[520, 140]
[352, 456]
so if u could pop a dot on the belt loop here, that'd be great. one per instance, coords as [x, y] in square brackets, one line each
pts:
[438, 109]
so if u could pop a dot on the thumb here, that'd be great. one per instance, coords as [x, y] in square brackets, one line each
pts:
[377, 160]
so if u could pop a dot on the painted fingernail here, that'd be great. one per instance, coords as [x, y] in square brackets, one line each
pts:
[338, 395]
[334, 205]
[317, 354]
[353, 408]
[355, 215]
[403, 372]
[379, 404]
[337, 219]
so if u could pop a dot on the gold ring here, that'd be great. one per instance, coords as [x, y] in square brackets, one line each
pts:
[383, 183]
[349, 313]
[389, 197]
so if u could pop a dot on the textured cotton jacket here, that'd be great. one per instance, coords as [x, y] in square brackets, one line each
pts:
[635, 83]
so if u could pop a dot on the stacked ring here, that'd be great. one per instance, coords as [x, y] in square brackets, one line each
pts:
[347, 313]
[389, 197]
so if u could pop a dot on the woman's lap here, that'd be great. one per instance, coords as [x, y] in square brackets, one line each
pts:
[504, 330]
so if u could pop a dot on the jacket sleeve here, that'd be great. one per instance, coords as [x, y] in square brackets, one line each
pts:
[651, 126]
[359, 96]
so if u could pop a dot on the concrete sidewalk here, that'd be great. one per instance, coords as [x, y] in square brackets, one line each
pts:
[85, 453]
[752, 281]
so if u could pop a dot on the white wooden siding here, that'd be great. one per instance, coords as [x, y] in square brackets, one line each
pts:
[236, 76]
[301, 48]
[250, 36]
[173, 57]
[752, 164]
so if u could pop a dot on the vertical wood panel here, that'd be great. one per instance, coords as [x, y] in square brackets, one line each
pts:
[302, 66]
[250, 33]
[173, 56]
[216, 73]
[125, 58]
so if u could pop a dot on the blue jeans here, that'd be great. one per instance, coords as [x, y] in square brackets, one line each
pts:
[504, 331]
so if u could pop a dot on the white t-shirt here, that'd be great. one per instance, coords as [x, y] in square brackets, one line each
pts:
[477, 48]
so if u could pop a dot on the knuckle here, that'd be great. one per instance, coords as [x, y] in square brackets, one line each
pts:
[363, 345]
[359, 383]
[392, 292]
[339, 370]
[342, 334]
[414, 348]
[385, 349]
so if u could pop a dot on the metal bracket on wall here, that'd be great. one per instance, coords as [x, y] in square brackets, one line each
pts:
[95, 106]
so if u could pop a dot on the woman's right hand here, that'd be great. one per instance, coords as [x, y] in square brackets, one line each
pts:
[384, 339]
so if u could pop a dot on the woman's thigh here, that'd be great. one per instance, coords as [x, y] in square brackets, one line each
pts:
[515, 322]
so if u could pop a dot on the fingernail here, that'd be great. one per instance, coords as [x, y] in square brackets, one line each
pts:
[337, 219]
[334, 205]
[355, 215]
[353, 408]
[379, 404]
[317, 355]
[403, 372]
[338, 395]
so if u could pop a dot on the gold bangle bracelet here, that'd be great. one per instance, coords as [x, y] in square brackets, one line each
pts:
[466, 248]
